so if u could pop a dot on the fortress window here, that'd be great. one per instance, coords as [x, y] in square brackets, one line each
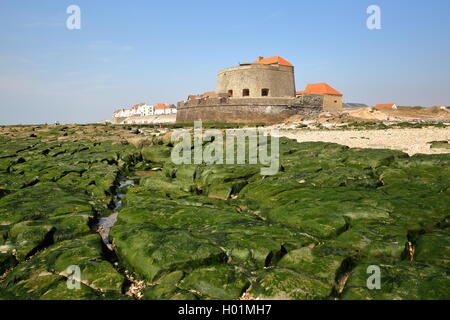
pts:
[245, 92]
[264, 92]
[230, 93]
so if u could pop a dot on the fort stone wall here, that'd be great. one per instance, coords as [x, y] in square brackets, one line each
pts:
[248, 110]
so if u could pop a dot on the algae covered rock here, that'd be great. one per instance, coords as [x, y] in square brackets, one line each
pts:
[375, 239]
[156, 154]
[285, 284]
[151, 252]
[211, 231]
[60, 291]
[261, 244]
[372, 158]
[434, 248]
[167, 288]
[7, 259]
[216, 282]
[440, 145]
[32, 278]
[314, 262]
[403, 280]
[42, 201]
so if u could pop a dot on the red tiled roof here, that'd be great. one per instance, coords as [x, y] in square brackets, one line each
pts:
[207, 94]
[321, 88]
[160, 106]
[385, 105]
[273, 60]
[203, 95]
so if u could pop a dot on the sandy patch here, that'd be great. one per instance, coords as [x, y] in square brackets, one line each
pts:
[411, 141]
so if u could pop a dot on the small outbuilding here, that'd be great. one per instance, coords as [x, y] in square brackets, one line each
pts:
[332, 99]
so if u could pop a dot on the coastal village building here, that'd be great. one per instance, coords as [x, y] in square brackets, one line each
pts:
[135, 110]
[172, 109]
[332, 99]
[259, 92]
[161, 108]
[122, 113]
[147, 110]
[143, 110]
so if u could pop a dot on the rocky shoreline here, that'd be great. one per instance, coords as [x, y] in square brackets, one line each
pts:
[219, 231]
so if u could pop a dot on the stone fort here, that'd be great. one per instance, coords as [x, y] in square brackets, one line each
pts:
[259, 92]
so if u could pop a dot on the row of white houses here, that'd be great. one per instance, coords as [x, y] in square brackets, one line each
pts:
[142, 109]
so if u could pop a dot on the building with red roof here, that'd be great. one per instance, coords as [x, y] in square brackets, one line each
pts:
[321, 88]
[161, 108]
[332, 99]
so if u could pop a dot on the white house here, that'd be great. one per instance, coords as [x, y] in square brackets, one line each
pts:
[127, 112]
[160, 108]
[121, 113]
[135, 110]
[143, 109]
[146, 110]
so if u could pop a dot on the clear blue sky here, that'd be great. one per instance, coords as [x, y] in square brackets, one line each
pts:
[161, 51]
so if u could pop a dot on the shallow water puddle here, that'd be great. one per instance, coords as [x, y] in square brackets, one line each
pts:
[105, 224]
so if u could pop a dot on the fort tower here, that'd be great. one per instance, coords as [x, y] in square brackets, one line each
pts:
[258, 92]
